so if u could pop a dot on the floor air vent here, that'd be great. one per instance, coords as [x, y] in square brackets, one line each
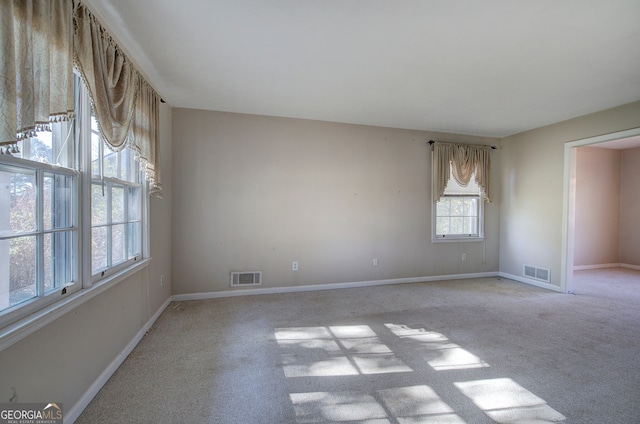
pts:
[246, 278]
[541, 274]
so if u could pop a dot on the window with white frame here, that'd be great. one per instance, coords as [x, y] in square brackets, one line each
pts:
[116, 205]
[38, 220]
[458, 214]
[62, 193]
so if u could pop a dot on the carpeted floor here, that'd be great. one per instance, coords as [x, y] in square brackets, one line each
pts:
[467, 351]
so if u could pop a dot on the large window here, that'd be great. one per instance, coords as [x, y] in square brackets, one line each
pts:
[71, 213]
[458, 213]
[38, 220]
[116, 205]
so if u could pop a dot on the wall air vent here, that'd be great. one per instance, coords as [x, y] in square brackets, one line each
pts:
[246, 278]
[541, 274]
[529, 271]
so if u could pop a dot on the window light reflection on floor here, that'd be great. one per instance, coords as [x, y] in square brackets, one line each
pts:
[335, 351]
[321, 407]
[405, 405]
[353, 350]
[437, 350]
[505, 401]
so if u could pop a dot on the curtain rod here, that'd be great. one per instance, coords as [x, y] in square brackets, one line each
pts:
[492, 147]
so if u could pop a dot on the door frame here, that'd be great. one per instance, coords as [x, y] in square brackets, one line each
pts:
[569, 200]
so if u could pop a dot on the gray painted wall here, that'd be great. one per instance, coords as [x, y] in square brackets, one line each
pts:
[255, 193]
[59, 362]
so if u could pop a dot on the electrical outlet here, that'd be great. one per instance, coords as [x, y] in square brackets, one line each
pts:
[294, 266]
[464, 256]
[162, 280]
[375, 261]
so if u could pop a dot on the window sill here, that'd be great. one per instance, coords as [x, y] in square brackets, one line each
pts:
[22, 328]
[456, 239]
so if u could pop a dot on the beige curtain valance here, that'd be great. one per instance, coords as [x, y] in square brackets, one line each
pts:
[40, 41]
[36, 67]
[462, 161]
[126, 106]
[108, 74]
[145, 137]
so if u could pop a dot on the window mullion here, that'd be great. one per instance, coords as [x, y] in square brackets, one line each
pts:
[40, 233]
[109, 225]
[127, 242]
[84, 143]
[101, 162]
[119, 165]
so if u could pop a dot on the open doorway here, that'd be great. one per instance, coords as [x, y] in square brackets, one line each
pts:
[599, 231]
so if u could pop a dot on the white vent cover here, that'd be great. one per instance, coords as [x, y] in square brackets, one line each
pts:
[529, 271]
[541, 274]
[246, 278]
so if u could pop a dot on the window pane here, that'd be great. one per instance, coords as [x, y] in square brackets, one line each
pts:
[456, 225]
[134, 204]
[17, 271]
[117, 204]
[117, 244]
[442, 225]
[58, 258]
[95, 152]
[62, 145]
[457, 207]
[49, 255]
[98, 205]
[17, 200]
[55, 146]
[40, 148]
[443, 207]
[135, 238]
[132, 168]
[48, 193]
[98, 249]
[58, 201]
[110, 162]
[471, 207]
[470, 225]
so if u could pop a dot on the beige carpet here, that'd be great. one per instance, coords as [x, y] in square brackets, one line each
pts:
[468, 351]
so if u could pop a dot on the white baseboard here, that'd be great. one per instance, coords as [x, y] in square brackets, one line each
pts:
[601, 266]
[596, 266]
[531, 281]
[332, 286]
[73, 414]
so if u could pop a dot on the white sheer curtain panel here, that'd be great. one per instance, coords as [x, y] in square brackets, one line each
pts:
[36, 67]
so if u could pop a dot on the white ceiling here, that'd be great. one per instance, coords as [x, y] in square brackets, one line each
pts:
[492, 67]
